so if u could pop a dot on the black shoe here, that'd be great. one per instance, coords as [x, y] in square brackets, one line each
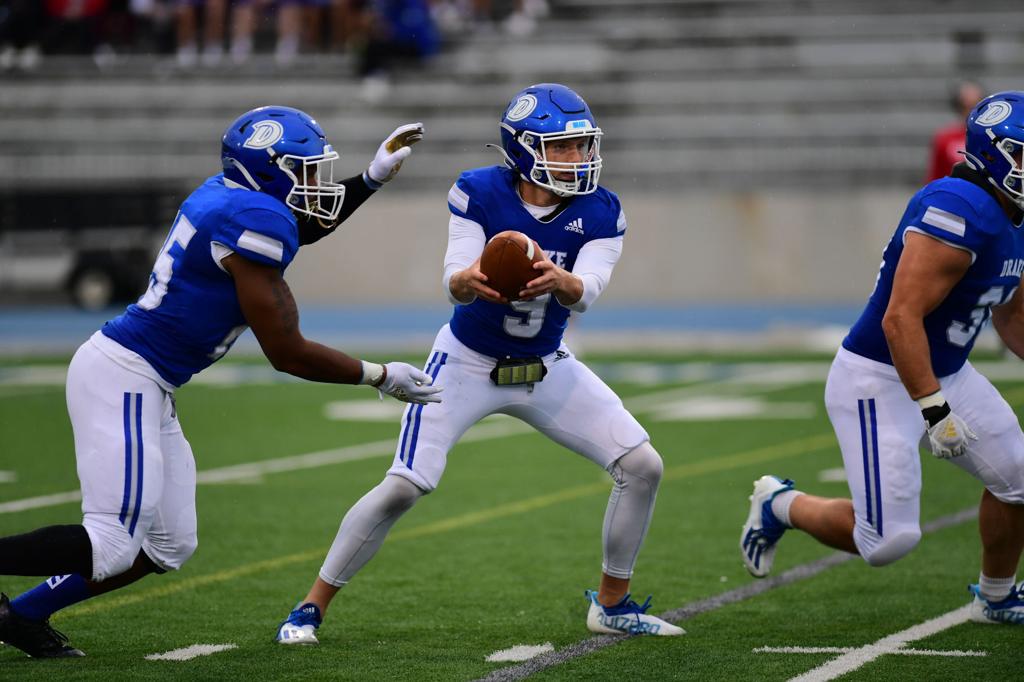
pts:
[36, 638]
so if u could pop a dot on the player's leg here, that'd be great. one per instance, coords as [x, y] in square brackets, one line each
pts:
[878, 429]
[115, 415]
[573, 407]
[997, 460]
[427, 433]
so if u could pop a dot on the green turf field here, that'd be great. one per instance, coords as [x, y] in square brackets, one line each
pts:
[501, 553]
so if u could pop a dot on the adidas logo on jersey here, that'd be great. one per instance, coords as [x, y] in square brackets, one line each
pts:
[575, 226]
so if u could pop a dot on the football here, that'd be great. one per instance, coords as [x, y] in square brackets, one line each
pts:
[508, 260]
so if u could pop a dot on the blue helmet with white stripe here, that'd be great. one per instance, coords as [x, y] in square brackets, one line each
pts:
[536, 120]
[283, 152]
[995, 142]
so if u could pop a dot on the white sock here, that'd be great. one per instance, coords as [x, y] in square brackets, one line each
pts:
[995, 589]
[780, 505]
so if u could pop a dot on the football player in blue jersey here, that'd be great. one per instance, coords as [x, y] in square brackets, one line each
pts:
[220, 271]
[902, 376]
[508, 356]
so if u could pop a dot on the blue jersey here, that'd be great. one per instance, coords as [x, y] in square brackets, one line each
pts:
[964, 214]
[488, 196]
[190, 315]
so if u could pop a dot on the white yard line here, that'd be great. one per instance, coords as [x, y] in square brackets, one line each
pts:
[584, 647]
[190, 652]
[955, 653]
[250, 470]
[892, 644]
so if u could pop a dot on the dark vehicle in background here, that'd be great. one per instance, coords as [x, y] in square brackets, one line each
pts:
[92, 246]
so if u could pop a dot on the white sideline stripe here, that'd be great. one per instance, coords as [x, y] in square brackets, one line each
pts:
[584, 647]
[190, 652]
[852, 660]
[251, 470]
[520, 652]
[848, 649]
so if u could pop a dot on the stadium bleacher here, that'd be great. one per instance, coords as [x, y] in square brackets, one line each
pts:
[713, 93]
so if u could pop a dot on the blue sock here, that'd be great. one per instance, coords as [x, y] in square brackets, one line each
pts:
[50, 596]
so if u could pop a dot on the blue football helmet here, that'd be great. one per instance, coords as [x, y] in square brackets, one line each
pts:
[283, 152]
[534, 119]
[995, 142]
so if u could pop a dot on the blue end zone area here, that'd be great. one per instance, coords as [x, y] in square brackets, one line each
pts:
[734, 326]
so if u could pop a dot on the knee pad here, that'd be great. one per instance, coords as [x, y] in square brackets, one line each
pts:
[879, 551]
[113, 549]
[170, 556]
[642, 462]
[398, 494]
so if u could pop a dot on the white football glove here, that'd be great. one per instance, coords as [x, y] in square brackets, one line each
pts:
[393, 151]
[948, 433]
[402, 382]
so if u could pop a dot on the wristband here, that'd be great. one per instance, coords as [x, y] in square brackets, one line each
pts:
[934, 408]
[373, 374]
[934, 400]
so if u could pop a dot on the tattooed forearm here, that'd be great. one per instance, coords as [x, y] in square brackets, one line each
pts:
[284, 302]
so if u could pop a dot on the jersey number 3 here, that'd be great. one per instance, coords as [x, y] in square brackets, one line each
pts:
[962, 333]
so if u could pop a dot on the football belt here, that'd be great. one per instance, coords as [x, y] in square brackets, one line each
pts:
[518, 371]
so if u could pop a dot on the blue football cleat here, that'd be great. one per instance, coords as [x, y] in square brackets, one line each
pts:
[762, 530]
[626, 618]
[300, 626]
[1009, 610]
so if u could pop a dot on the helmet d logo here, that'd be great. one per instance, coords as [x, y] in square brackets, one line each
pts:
[264, 134]
[994, 113]
[523, 107]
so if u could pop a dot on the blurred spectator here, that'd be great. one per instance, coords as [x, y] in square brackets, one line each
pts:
[213, 17]
[21, 25]
[396, 30]
[948, 141]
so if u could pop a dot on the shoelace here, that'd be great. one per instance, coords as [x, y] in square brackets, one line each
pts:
[302, 617]
[53, 632]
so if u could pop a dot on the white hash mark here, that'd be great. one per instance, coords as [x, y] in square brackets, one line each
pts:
[190, 652]
[520, 652]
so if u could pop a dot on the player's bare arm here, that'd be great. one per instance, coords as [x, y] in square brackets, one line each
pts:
[471, 283]
[1008, 320]
[270, 310]
[927, 271]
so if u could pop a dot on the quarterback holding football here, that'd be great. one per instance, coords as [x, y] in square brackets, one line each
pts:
[504, 352]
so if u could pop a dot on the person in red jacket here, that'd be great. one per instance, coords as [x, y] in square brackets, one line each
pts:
[948, 141]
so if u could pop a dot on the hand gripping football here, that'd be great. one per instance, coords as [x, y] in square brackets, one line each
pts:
[508, 260]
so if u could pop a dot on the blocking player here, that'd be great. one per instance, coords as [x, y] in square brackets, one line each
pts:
[220, 271]
[902, 377]
[509, 357]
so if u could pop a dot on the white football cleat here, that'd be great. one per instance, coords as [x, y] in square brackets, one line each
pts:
[762, 530]
[627, 618]
[1009, 610]
[300, 626]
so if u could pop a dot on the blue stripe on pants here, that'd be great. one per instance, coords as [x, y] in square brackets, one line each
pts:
[419, 411]
[408, 414]
[127, 457]
[864, 453]
[138, 456]
[878, 474]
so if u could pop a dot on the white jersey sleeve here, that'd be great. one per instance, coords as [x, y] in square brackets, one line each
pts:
[594, 266]
[466, 242]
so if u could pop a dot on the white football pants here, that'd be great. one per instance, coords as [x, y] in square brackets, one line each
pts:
[135, 467]
[880, 428]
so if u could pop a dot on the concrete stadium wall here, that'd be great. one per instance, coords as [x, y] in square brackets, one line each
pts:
[687, 248]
